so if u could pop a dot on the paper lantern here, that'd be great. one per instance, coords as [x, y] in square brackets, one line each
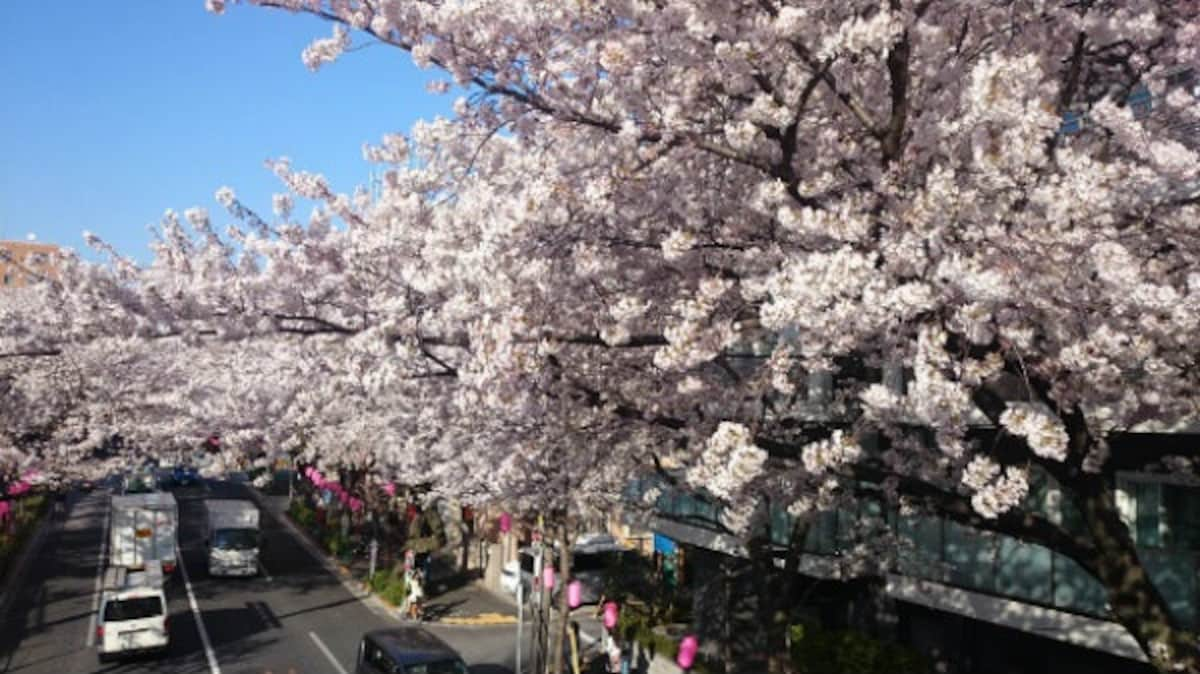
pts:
[610, 615]
[390, 489]
[687, 651]
[548, 577]
[4, 507]
[574, 594]
[505, 523]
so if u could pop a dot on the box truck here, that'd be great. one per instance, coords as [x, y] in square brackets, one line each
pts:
[233, 537]
[143, 529]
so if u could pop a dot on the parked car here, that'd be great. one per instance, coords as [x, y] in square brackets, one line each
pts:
[133, 614]
[406, 650]
[518, 571]
[591, 558]
[185, 476]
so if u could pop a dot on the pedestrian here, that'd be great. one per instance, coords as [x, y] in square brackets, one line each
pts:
[416, 593]
[612, 648]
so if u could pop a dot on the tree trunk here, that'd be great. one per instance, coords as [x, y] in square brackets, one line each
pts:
[779, 599]
[564, 570]
[1133, 599]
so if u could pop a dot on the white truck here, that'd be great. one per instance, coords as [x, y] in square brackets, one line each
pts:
[133, 613]
[233, 537]
[143, 529]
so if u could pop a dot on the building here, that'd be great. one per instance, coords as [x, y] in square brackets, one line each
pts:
[21, 261]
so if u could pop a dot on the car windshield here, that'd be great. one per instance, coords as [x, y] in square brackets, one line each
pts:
[440, 667]
[133, 608]
[235, 539]
[139, 485]
[594, 561]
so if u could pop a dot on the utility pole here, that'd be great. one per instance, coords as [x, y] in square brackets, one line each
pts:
[520, 616]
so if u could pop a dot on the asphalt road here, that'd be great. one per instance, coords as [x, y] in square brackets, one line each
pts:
[294, 618]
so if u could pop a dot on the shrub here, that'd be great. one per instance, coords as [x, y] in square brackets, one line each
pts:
[389, 586]
[302, 513]
[33, 507]
[816, 650]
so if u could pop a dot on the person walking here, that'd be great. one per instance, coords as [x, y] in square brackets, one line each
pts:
[415, 596]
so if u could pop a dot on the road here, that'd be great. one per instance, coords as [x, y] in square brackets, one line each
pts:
[295, 618]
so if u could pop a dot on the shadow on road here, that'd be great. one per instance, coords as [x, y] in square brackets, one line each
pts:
[435, 611]
[318, 607]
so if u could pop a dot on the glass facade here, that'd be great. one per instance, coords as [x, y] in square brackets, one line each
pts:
[1165, 520]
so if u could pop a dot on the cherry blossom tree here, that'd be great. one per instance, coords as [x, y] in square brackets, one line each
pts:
[791, 252]
[645, 195]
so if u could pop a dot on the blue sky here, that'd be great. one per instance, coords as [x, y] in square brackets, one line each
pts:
[113, 112]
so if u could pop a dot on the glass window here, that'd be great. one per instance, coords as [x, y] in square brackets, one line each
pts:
[235, 539]
[1075, 589]
[1148, 495]
[1023, 570]
[132, 609]
[971, 556]
[1174, 574]
[376, 658]
[1181, 512]
[592, 562]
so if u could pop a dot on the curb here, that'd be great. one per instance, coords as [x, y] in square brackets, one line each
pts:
[20, 569]
[481, 619]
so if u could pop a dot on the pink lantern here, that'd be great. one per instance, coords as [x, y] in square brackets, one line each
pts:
[4, 508]
[548, 577]
[356, 504]
[505, 523]
[390, 489]
[308, 471]
[574, 594]
[687, 651]
[610, 615]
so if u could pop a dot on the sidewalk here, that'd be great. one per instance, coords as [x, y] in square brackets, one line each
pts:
[452, 598]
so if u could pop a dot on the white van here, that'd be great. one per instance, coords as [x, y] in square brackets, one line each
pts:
[133, 613]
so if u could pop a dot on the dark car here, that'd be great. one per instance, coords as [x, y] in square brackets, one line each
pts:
[185, 476]
[406, 650]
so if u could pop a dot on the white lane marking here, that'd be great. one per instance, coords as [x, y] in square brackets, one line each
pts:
[325, 649]
[213, 667]
[100, 559]
[266, 574]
